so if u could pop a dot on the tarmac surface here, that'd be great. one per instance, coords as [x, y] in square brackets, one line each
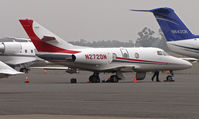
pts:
[52, 96]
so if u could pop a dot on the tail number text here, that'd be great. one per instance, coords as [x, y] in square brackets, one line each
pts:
[95, 56]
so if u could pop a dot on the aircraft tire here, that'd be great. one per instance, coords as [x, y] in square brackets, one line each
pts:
[94, 79]
[114, 79]
[73, 80]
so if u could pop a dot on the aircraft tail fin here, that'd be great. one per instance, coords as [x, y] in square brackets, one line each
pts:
[171, 25]
[43, 39]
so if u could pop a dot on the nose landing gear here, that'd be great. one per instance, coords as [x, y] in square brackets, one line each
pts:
[94, 78]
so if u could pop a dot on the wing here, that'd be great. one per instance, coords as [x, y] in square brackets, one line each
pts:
[50, 68]
[123, 68]
[67, 69]
[7, 70]
[20, 60]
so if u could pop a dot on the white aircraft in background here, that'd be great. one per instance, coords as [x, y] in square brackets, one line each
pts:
[16, 52]
[114, 60]
[179, 38]
[20, 52]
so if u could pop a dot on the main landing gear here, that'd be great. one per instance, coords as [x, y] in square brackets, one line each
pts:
[25, 70]
[94, 78]
[113, 79]
[116, 78]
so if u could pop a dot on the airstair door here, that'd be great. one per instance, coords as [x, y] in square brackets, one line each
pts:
[125, 53]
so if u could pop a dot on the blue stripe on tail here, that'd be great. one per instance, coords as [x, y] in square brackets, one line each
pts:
[172, 27]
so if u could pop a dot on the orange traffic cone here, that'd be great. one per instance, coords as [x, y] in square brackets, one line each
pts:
[26, 81]
[45, 72]
[135, 79]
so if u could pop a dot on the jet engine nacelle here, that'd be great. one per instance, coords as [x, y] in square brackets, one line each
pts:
[140, 75]
[10, 47]
[96, 58]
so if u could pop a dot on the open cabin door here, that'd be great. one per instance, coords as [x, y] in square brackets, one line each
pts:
[125, 53]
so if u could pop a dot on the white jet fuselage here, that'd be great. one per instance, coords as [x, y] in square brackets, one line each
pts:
[189, 47]
[17, 53]
[123, 59]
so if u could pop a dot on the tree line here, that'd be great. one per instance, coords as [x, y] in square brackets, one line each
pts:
[146, 38]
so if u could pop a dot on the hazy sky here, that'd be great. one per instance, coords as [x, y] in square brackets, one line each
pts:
[91, 19]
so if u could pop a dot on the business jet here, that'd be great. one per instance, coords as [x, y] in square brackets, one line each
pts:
[52, 48]
[20, 52]
[13, 54]
[179, 38]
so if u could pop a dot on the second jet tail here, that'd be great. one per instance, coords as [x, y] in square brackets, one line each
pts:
[171, 25]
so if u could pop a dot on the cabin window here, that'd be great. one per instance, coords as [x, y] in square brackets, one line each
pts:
[137, 55]
[31, 51]
[159, 52]
[162, 53]
[26, 51]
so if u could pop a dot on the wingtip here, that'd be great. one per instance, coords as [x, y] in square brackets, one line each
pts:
[154, 10]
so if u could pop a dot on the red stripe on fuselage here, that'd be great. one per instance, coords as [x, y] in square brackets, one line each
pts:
[40, 45]
[120, 58]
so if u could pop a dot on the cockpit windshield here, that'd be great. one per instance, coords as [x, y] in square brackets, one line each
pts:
[162, 53]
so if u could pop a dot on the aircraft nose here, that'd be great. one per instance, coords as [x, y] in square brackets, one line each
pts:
[186, 64]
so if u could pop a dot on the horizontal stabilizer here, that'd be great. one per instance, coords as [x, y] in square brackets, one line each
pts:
[67, 69]
[140, 10]
[48, 38]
